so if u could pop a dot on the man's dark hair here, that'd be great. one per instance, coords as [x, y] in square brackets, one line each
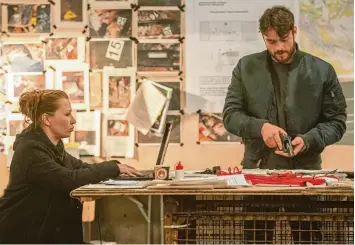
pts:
[279, 18]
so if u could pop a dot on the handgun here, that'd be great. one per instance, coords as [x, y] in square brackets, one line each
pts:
[286, 144]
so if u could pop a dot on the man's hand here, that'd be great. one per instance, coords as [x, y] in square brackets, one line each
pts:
[298, 145]
[125, 169]
[271, 135]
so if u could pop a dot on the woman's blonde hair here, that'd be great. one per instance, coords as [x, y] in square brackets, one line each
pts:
[33, 104]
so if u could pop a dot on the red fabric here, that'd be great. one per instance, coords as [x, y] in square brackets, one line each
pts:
[279, 179]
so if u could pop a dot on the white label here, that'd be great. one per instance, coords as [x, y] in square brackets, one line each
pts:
[121, 21]
[114, 50]
[157, 55]
[167, 31]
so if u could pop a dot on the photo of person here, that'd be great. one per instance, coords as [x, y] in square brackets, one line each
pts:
[61, 48]
[71, 10]
[29, 18]
[110, 23]
[158, 57]
[159, 24]
[73, 85]
[23, 83]
[117, 128]
[98, 59]
[152, 138]
[22, 57]
[119, 92]
[211, 129]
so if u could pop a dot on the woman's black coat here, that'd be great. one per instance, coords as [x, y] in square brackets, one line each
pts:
[36, 206]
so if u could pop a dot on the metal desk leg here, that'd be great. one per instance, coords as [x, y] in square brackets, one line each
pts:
[162, 220]
[146, 214]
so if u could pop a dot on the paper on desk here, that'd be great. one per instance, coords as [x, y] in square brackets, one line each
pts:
[145, 107]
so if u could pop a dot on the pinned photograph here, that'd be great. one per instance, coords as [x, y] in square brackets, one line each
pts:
[117, 128]
[158, 57]
[19, 83]
[73, 85]
[87, 132]
[15, 124]
[95, 79]
[159, 24]
[71, 13]
[159, 2]
[118, 88]
[74, 80]
[116, 53]
[61, 48]
[110, 23]
[118, 136]
[22, 57]
[29, 18]
[211, 129]
[152, 138]
[119, 92]
[3, 88]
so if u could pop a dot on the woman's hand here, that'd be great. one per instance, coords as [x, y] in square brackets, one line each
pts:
[130, 171]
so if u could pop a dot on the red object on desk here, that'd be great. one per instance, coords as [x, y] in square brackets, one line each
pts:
[277, 178]
[230, 172]
[179, 166]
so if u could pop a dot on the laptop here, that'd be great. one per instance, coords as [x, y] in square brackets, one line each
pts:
[149, 174]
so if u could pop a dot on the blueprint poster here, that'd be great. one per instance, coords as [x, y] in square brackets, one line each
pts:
[219, 33]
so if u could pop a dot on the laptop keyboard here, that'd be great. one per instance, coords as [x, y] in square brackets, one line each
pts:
[146, 174]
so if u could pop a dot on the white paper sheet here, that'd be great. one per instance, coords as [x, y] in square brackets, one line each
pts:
[118, 136]
[146, 106]
[119, 88]
[88, 132]
[219, 33]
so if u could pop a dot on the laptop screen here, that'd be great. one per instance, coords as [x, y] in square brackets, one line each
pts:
[164, 143]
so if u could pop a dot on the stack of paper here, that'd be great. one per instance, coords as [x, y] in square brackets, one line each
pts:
[148, 110]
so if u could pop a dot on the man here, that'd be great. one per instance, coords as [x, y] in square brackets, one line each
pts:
[283, 90]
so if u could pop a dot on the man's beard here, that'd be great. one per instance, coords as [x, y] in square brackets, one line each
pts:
[288, 58]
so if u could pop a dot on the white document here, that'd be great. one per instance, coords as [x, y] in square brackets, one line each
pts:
[87, 132]
[118, 136]
[119, 88]
[219, 33]
[146, 106]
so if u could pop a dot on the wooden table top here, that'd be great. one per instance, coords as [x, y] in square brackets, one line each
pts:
[100, 190]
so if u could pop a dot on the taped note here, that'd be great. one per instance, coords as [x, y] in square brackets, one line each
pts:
[114, 49]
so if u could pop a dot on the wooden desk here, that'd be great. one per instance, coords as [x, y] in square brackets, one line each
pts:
[87, 195]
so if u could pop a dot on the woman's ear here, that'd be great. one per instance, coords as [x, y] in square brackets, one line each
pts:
[45, 119]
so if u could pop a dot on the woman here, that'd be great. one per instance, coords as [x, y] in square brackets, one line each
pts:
[36, 206]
